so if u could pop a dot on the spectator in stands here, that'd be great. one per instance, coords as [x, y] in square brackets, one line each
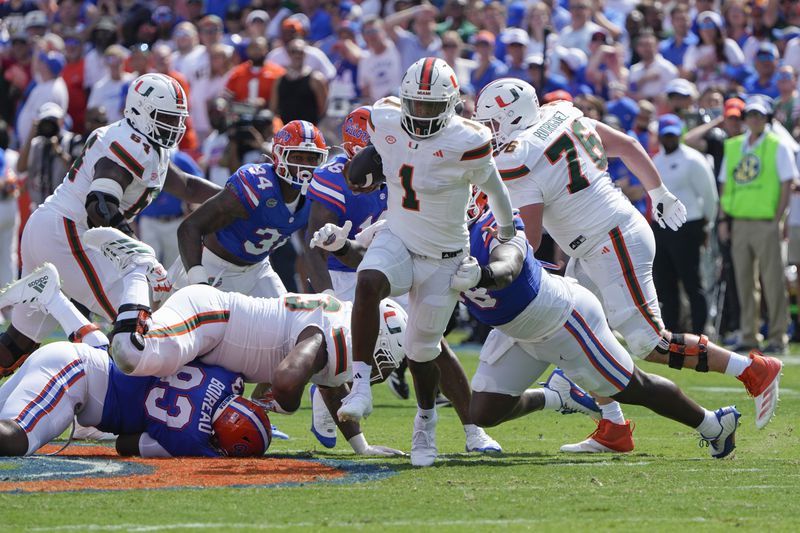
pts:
[541, 78]
[300, 93]
[206, 90]
[591, 106]
[47, 153]
[686, 172]
[516, 41]
[251, 82]
[579, 33]
[216, 142]
[256, 24]
[455, 19]
[419, 43]
[96, 117]
[488, 68]
[452, 48]
[764, 81]
[757, 172]
[48, 87]
[188, 56]
[314, 57]
[162, 64]
[320, 25]
[572, 63]
[277, 13]
[380, 68]
[787, 104]
[681, 97]
[709, 138]
[539, 30]
[606, 65]
[109, 91]
[344, 92]
[73, 78]
[16, 74]
[652, 73]
[73, 15]
[715, 59]
[103, 35]
[674, 48]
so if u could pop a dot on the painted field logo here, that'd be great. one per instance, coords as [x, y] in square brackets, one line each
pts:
[92, 468]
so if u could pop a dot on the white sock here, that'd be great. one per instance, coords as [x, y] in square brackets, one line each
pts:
[136, 289]
[469, 428]
[710, 426]
[552, 400]
[67, 315]
[426, 416]
[737, 364]
[613, 413]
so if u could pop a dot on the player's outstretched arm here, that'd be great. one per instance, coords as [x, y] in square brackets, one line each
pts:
[333, 396]
[333, 239]
[532, 216]
[102, 203]
[668, 211]
[140, 445]
[187, 187]
[499, 202]
[212, 215]
[308, 357]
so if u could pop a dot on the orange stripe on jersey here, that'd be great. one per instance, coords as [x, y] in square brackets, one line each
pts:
[190, 324]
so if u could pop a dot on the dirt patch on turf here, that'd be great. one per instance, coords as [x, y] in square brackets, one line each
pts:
[82, 468]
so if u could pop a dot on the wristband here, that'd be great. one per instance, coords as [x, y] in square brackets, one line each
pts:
[358, 443]
[487, 277]
[197, 275]
[658, 192]
[343, 250]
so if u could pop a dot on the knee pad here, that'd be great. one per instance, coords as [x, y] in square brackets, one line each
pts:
[677, 349]
[135, 323]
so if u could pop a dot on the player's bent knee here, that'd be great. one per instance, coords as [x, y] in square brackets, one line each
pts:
[287, 397]
[423, 353]
[372, 286]
[13, 439]
[482, 412]
[126, 356]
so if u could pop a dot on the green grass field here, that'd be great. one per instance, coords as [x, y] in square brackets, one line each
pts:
[667, 483]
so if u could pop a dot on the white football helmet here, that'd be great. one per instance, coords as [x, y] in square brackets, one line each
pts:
[429, 95]
[389, 350]
[156, 107]
[478, 201]
[505, 106]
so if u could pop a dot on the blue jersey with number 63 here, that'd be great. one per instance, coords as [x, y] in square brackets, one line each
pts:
[496, 307]
[329, 188]
[175, 411]
[269, 223]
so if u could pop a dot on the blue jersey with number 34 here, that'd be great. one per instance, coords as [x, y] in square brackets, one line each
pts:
[329, 188]
[175, 411]
[496, 307]
[269, 223]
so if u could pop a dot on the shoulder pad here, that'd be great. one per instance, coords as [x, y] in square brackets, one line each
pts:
[130, 150]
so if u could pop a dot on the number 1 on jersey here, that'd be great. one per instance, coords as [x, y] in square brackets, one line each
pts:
[410, 201]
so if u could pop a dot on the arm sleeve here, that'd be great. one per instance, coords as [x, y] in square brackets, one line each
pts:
[787, 168]
[328, 191]
[149, 447]
[499, 199]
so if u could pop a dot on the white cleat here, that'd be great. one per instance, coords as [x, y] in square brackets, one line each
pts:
[573, 398]
[480, 441]
[423, 441]
[323, 426]
[355, 406]
[128, 253]
[723, 444]
[37, 289]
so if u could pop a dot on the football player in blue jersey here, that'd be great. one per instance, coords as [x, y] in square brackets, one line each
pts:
[228, 239]
[197, 411]
[332, 202]
[540, 319]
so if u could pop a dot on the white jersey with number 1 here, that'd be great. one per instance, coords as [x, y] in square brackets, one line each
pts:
[561, 163]
[429, 179]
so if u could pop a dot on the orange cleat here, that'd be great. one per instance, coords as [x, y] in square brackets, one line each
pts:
[761, 380]
[607, 438]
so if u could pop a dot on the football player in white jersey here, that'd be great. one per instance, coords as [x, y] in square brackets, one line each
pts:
[287, 341]
[430, 156]
[553, 161]
[122, 167]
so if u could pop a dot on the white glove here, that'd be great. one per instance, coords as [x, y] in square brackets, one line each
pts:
[668, 211]
[365, 236]
[362, 447]
[467, 276]
[357, 404]
[158, 279]
[331, 237]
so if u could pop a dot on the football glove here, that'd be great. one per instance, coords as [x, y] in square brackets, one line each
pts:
[467, 276]
[668, 211]
[331, 237]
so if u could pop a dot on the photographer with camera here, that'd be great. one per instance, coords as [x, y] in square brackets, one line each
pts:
[250, 138]
[47, 153]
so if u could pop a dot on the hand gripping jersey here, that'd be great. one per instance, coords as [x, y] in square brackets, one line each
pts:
[428, 179]
[497, 307]
[561, 163]
[329, 188]
[269, 224]
[123, 145]
[260, 333]
[176, 411]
